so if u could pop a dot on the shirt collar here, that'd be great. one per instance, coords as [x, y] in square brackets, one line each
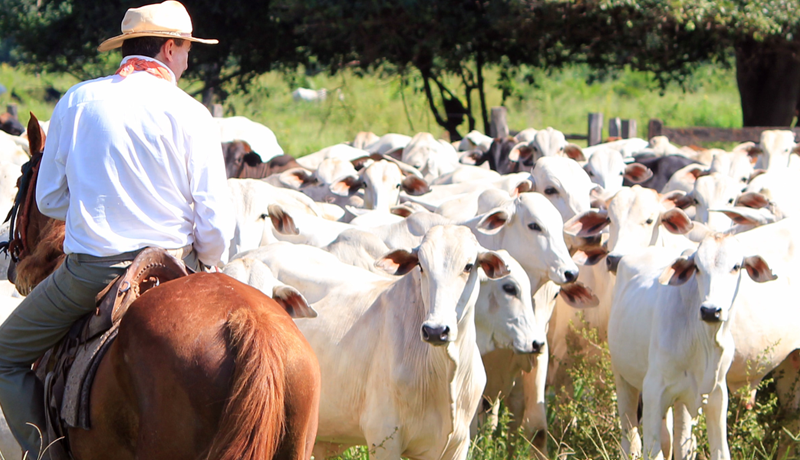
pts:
[147, 58]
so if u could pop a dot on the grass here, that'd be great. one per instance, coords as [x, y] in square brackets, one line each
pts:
[561, 99]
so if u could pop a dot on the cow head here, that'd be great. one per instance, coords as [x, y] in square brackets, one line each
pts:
[564, 183]
[448, 258]
[717, 266]
[607, 168]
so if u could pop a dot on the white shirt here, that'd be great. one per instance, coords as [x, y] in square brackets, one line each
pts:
[134, 162]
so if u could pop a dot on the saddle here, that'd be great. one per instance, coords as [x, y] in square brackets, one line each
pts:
[67, 370]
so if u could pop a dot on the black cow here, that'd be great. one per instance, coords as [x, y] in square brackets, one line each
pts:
[663, 168]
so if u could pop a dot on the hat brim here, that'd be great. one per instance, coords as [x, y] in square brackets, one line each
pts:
[116, 42]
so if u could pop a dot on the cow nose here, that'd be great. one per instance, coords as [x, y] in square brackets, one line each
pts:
[570, 275]
[435, 335]
[536, 347]
[711, 314]
[612, 262]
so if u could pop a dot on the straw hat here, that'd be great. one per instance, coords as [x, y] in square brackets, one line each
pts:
[168, 19]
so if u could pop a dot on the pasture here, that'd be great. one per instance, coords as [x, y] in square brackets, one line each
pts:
[582, 413]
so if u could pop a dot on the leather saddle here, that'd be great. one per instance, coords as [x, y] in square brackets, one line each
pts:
[67, 370]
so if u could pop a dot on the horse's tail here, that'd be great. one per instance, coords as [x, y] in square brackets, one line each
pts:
[252, 422]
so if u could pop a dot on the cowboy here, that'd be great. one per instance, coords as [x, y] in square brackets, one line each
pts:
[131, 161]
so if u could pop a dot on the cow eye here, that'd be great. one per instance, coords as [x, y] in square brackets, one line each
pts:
[264, 216]
[550, 191]
[398, 186]
[622, 173]
[534, 226]
[468, 268]
[649, 221]
[591, 174]
[730, 201]
[510, 289]
[744, 180]
[737, 267]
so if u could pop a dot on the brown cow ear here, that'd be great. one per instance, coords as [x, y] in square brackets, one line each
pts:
[473, 157]
[36, 136]
[637, 173]
[698, 172]
[398, 262]
[293, 302]
[676, 221]
[415, 186]
[296, 178]
[577, 295]
[574, 152]
[758, 269]
[401, 211]
[360, 162]
[678, 198]
[753, 200]
[679, 272]
[347, 186]
[587, 224]
[523, 187]
[753, 152]
[493, 265]
[281, 220]
[493, 222]
[589, 255]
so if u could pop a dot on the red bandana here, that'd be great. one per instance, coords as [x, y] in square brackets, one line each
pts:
[151, 67]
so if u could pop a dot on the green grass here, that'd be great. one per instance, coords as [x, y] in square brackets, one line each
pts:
[561, 99]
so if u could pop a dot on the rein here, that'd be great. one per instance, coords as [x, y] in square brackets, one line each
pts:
[17, 245]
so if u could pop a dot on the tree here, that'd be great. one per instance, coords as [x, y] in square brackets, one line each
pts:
[62, 35]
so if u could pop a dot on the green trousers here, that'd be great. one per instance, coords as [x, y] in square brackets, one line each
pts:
[38, 323]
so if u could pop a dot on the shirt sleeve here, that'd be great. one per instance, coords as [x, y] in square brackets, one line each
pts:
[213, 210]
[52, 191]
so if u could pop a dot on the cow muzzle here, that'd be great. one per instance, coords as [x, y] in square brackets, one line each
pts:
[711, 314]
[436, 335]
[612, 262]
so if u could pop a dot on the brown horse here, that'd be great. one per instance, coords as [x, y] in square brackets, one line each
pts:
[204, 367]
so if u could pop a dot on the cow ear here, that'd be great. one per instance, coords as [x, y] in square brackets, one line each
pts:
[282, 221]
[589, 255]
[361, 162]
[293, 302]
[676, 221]
[493, 265]
[347, 186]
[398, 262]
[678, 198]
[401, 211]
[520, 152]
[522, 187]
[36, 136]
[473, 157]
[296, 178]
[796, 149]
[415, 186]
[753, 152]
[587, 224]
[753, 200]
[758, 269]
[679, 272]
[493, 222]
[577, 295]
[698, 172]
[637, 173]
[252, 159]
[743, 215]
[574, 152]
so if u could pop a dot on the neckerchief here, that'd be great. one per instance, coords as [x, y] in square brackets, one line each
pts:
[152, 67]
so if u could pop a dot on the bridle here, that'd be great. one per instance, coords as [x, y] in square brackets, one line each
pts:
[17, 246]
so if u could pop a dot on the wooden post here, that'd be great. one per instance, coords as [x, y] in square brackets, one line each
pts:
[629, 129]
[654, 128]
[217, 111]
[595, 135]
[499, 122]
[13, 110]
[615, 127]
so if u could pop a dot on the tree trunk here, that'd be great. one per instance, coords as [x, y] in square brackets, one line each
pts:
[482, 94]
[768, 75]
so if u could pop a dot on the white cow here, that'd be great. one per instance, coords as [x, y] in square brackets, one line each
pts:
[389, 144]
[409, 344]
[340, 151]
[260, 138]
[775, 149]
[381, 182]
[673, 343]
[607, 168]
[255, 273]
[564, 183]
[309, 95]
[430, 156]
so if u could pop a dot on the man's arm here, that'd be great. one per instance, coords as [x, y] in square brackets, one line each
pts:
[213, 209]
[52, 192]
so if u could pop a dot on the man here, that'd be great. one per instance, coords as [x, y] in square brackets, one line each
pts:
[131, 161]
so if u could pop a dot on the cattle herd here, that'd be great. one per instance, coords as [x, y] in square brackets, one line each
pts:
[446, 274]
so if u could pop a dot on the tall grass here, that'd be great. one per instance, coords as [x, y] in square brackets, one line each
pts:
[561, 99]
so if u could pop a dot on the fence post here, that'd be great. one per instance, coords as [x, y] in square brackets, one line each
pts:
[615, 127]
[217, 111]
[499, 126]
[629, 129]
[13, 110]
[595, 135]
[654, 128]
